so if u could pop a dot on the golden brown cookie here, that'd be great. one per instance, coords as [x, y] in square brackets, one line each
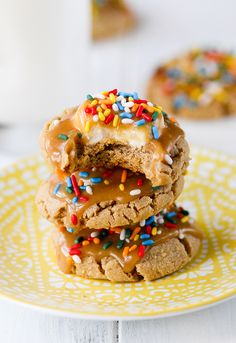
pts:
[200, 84]
[108, 205]
[157, 248]
[110, 18]
[117, 129]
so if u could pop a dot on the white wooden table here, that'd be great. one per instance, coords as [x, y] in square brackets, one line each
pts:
[166, 27]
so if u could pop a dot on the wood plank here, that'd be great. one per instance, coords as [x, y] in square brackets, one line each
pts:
[216, 324]
[22, 325]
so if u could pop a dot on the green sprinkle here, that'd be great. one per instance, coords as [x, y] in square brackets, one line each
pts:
[69, 190]
[89, 97]
[79, 239]
[154, 116]
[155, 188]
[106, 245]
[128, 233]
[120, 244]
[103, 233]
[63, 137]
[79, 135]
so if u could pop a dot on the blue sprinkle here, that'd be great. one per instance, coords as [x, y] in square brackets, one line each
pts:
[140, 122]
[150, 220]
[179, 101]
[96, 179]
[144, 236]
[126, 115]
[121, 108]
[82, 187]
[70, 229]
[83, 174]
[126, 95]
[170, 214]
[56, 189]
[174, 73]
[155, 132]
[135, 95]
[74, 200]
[68, 182]
[148, 242]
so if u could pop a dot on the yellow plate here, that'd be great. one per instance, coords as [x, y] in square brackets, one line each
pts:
[28, 272]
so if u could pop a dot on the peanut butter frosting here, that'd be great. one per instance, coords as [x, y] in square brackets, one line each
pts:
[128, 245]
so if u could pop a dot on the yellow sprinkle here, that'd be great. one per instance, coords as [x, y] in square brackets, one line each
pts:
[96, 240]
[101, 116]
[123, 176]
[99, 109]
[112, 97]
[107, 112]
[122, 187]
[125, 251]
[84, 243]
[115, 120]
[94, 102]
[130, 98]
[158, 109]
[106, 182]
[132, 248]
[136, 237]
[104, 106]
[88, 126]
[186, 172]
[104, 92]
[184, 219]
[154, 231]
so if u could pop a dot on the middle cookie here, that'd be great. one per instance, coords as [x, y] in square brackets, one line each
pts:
[105, 198]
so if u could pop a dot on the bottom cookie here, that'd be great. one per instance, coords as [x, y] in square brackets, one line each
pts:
[150, 250]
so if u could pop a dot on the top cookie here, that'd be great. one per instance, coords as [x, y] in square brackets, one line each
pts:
[200, 84]
[115, 129]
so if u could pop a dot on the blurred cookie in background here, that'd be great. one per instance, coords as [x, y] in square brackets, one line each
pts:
[198, 85]
[110, 18]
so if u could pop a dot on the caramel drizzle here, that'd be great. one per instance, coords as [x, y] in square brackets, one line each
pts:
[128, 263]
[101, 192]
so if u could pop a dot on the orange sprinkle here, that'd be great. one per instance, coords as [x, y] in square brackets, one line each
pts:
[135, 232]
[81, 182]
[125, 251]
[123, 176]
[96, 240]
[84, 243]
[104, 106]
[69, 261]
[148, 108]
[132, 248]
[116, 229]
[134, 108]
[105, 101]
[61, 175]
[173, 119]
[62, 228]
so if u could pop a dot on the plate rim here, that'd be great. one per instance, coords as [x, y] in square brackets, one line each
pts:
[106, 317]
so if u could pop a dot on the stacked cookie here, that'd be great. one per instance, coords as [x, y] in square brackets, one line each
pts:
[118, 166]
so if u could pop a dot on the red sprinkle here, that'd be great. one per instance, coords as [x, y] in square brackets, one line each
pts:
[170, 225]
[75, 252]
[139, 111]
[90, 239]
[140, 101]
[109, 118]
[74, 219]
[88, 110]
[107, 174]
[146, 117]
[148, 229]
[94, 111]
[141, 250]
[114, 91]
[75, 185]
[111, 232]
[76, 246]
[139, 182]
[83, 199]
